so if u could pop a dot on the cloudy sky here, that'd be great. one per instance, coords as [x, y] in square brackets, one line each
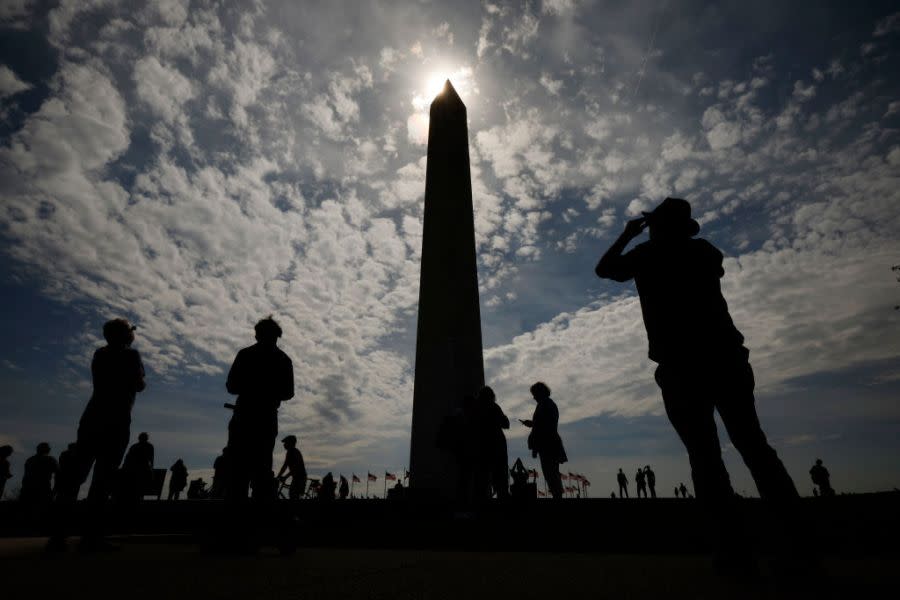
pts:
[195, 165]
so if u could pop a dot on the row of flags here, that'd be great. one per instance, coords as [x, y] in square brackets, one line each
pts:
[575, 477]
[576, 482]
[581, 479]
[568, 489]
[387, 476]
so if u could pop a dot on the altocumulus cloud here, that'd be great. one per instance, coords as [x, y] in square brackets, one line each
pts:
[196, 167]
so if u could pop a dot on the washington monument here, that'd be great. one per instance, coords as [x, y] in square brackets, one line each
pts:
[449, 362]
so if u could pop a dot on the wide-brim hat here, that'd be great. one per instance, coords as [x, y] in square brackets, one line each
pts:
[290, 438]
[674, 214]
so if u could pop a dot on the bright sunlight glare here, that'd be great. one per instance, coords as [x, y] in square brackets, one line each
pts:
[435, 84]
[432, 85]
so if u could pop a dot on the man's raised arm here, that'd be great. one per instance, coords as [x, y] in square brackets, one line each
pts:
[612, 264]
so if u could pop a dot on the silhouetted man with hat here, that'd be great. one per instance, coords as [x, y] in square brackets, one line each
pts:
[294, 467]
[703, 364]
[262, 377]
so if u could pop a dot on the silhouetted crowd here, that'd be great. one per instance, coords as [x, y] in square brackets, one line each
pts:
[702, 367]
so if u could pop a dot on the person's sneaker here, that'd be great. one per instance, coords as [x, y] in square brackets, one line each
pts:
[55, 544]
[97, 544]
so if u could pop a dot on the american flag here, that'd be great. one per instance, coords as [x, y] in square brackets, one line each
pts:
[563, 476]
[390, 476]
[355, 479]
[533, 473]
[372, 477]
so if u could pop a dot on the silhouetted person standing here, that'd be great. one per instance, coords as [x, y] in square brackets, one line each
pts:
[137, 470]
[544, 440]
[5, 471]
[220, 475]
[294, 467]
[703, 365]
[822, 478]
[344, 489]
[623, 484]
[458, 435]
[492, 422]
[520, 475]
[196, 490]
[640, 482]
[178, 480]
[262, 377]
[683, 489]
[118, 375]
[650, 476]
[37, 487]
[67, 485]
[327, 487]
[105, 426]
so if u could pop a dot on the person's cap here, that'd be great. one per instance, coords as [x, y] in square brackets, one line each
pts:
[676, 213]
[290, 438]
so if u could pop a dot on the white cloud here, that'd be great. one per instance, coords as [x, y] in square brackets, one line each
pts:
[164, 89]
[82, 128]
[887, 25]
[551, 85]
[803, 93]
[15, 11]
[277, 178]
[10, 84]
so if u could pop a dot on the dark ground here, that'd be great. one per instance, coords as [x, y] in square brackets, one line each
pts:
[157, 568]
[395, 549]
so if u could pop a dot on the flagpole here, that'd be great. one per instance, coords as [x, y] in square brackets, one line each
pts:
[384, 495]
[367, 485]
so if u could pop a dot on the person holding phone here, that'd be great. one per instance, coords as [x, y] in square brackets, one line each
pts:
[544, 441]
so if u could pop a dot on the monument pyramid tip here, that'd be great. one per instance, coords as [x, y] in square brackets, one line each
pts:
[448, 94]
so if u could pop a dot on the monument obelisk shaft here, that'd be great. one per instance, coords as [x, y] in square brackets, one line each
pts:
[449, 361]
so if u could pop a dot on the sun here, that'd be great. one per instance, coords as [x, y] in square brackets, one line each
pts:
[434, 85]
